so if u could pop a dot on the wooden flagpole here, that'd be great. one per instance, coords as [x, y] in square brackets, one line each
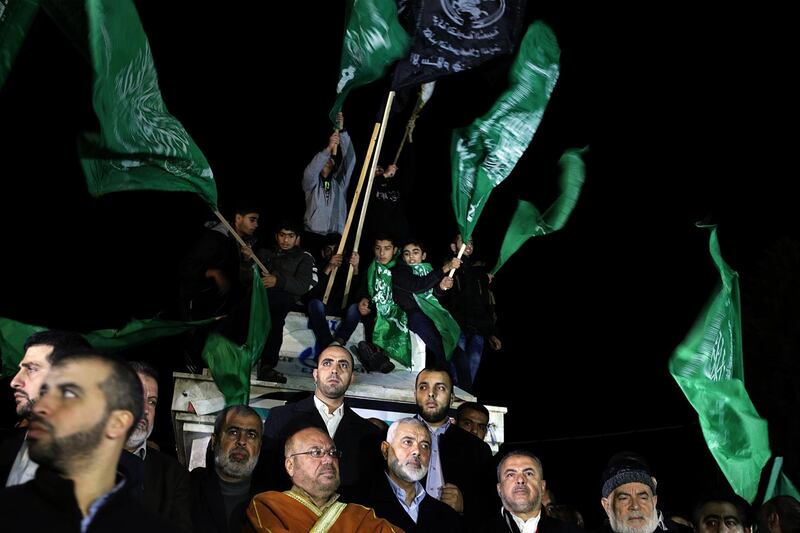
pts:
[236, 236]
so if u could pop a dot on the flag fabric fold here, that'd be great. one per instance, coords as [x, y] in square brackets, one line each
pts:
[445, 324]
[16, 17]
[485, 153]
[373, 39]
[708, 367]
[528, 222]
[391, 322]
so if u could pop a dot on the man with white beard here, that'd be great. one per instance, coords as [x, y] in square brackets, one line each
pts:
[222, 490]
[161, 482]
[629, 495]
[398, 496]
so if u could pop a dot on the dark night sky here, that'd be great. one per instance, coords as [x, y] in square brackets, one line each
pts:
[678, 108]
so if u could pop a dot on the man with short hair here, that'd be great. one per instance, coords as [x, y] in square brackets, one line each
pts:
[40, 352]
[399, 496]
[722, 513]
[292, 273]
[629, 495]
[312, 462]
[221, 490]
[521, 485]
[461, 472]
[474, 418]
[162, 482]
[88, 407]
[357, 439]
[780, 514]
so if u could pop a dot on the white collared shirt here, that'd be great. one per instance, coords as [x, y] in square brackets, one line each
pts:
[23, 469]
[525, 526]
[435, 481]
[331, 420]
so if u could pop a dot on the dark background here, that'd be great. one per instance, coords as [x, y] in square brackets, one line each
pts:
[684, 112]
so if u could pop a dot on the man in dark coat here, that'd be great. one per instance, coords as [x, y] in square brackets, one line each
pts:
[398, 496]
[357, 439]
[520, 485]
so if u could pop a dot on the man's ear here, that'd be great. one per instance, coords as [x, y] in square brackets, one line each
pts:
[314, 373]
[606, 503]
[289, 465]
[424, 255]
[118, 424]
[385, 450]
[453, 247]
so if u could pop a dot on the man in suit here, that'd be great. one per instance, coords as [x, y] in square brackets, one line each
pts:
[398, 496]
[357, 439]
[161, 482]
[461, 472]
[520, 485]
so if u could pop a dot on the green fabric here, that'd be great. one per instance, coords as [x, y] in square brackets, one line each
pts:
[16, 17]
[484, 154]
[140, 145]
[779, 483]
[373, 39]
[230, 364]
[13, 335]
[391, 322]
[528, 222]
[445, 324]
[709, 369]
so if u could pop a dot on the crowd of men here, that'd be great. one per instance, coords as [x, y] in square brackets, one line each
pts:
[80, 460]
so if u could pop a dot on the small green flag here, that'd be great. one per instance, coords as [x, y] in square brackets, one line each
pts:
[230, 364]
[16, 17]
[485, 153]
[140, 145]
[373, 40]
[709, 369]
[528, 222]
[391, 322]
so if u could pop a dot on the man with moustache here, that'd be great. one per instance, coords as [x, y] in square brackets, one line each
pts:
[521, 485]
[162, 483]
[312, 462]
[357, 439]
[88, 407]
[629, 495]
[221, 490]
[460, 472]
[399, 496]
[40, 352]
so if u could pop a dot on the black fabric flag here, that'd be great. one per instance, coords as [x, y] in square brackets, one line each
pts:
[452, 36]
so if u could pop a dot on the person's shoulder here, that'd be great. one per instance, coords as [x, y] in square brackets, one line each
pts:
[548, 524]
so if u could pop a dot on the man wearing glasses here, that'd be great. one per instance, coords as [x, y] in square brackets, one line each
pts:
[312, 462]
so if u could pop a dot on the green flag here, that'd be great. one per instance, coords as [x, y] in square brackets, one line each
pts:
[13, 335]
[709, 369]
[373, 39]
[16, 17]
[391, 322]
[445, 324]
[230, 364]
[140, 145]
[484, 154]
[528, 222]
[779, 483]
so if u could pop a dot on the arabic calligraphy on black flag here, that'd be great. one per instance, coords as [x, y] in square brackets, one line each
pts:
[452, 36]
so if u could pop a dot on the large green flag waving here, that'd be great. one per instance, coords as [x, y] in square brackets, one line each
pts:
[140, 145]
[230, 364]
[709, 369]
[484, 154]
[373, 40]
[528, 222]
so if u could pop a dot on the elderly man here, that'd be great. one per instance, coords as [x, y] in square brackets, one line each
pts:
[88, 407]
[312, 462]
[399, 496]
[162, 482]
[40, 352]
[722, 513]
[357, 439]
[461, 470]
[221, 491]
[521, 485]
[629, 495]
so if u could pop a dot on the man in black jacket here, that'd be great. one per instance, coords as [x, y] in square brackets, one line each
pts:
[398, 496]
[461, 472]
[520, 485]
[357, 439]
[88, 407]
